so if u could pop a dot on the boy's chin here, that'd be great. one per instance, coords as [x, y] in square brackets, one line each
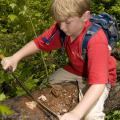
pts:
[68, 34]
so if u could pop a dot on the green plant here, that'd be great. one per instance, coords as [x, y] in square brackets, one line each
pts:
[5, 110]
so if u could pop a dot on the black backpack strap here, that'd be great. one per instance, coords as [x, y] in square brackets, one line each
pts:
[47, 41]
[62, 40]
[90, 32]
[58, 31]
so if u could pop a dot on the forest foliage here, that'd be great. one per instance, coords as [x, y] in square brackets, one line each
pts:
[20, 22]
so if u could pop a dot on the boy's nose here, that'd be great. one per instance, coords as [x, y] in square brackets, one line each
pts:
[62, 26]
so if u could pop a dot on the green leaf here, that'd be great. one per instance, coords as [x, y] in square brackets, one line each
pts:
[5, 110]
[2, 97]
[4, 30]
[25, 8]
[37, 14]
[23, 11]
[12, 5]
[12, 17]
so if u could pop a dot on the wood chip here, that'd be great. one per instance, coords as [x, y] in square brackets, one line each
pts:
[42, 97]
[31, 105]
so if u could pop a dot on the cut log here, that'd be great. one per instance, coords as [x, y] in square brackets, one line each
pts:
[60, 99]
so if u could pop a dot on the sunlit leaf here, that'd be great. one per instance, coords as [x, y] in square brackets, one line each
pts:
[5, 110]
[4, 30]
[25, 8]
[37, 14]
[12, 5]
[12, 17]
[2, 97]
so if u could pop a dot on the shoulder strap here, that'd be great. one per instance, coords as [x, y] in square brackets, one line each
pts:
[90, 32]
[58, 31]
[63, 37]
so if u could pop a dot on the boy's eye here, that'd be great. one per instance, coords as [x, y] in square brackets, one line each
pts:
[68, 22]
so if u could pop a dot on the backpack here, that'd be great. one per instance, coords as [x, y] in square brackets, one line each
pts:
[110, 27]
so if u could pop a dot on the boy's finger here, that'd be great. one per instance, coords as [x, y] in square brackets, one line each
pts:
[9, 69]
[6, 67]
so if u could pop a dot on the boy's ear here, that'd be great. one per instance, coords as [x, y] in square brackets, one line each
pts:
[86, 16]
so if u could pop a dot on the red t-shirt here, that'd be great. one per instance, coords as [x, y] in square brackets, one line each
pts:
[100, 67]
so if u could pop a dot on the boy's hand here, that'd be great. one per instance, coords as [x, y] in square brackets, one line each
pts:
[69, 116]
[9, 63]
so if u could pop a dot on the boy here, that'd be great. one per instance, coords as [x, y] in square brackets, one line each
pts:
[72, 17]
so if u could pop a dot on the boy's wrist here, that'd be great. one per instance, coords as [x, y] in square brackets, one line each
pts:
[16, 57]
[77, 113]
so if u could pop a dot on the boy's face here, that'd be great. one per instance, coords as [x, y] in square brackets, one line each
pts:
[72, 26]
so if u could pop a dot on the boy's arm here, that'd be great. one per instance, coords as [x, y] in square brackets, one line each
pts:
[12, 61]
[34, 46]
[90, 98]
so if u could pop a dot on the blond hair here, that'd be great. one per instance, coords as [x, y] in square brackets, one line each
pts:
[63, 9]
